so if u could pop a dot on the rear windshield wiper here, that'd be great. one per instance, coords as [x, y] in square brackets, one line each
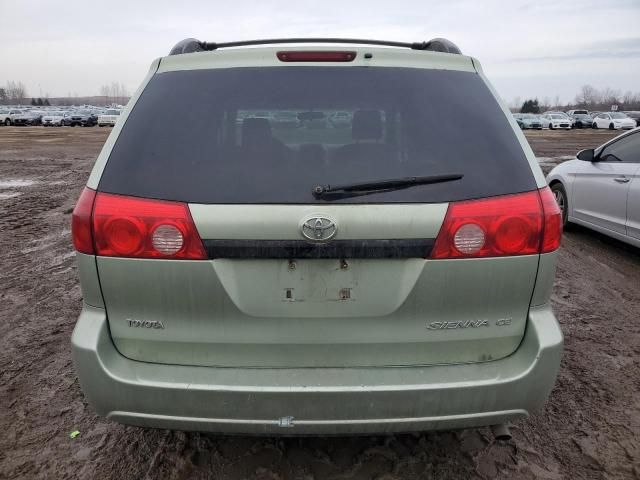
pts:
[329, 192]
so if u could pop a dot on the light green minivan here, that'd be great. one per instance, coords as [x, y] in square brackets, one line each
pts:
[300, 237]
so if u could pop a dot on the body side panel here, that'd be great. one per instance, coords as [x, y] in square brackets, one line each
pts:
[89, 281]
[633, 206]
[618, 236]
[544, 280]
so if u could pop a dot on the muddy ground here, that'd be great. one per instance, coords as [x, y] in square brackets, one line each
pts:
[589, 428]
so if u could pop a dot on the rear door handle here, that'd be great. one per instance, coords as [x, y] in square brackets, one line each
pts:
[622, 179]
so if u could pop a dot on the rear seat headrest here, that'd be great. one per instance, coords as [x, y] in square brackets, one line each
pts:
[256, 131]
[366, 125]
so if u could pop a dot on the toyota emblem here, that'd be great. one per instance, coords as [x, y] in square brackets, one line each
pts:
[318, 229]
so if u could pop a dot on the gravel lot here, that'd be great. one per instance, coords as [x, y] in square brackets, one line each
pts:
[589, 429]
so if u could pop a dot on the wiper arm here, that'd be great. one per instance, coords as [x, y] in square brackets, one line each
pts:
[366, 188]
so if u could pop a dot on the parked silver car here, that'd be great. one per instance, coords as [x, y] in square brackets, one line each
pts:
[601, 188]
[528, 121]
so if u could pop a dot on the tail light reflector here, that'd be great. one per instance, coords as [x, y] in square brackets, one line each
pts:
[167, 239]
[317, 56]
[120, 226]
[510, 225]
[81, 222]
[469, 238]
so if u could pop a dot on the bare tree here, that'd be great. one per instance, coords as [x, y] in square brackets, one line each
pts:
[121, 92]
[610, 96]
[628, 98]
[104, 92]
[545, 104]
[114, 93]
[16, 91]
[588, 96]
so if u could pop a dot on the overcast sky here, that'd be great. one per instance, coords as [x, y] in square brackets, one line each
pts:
[541, 48]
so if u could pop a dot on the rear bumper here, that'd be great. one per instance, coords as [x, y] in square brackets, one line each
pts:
[316, 400]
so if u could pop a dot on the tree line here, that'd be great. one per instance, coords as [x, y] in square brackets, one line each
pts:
[588, 98]
[40, 102]
[15, 93]
[114, 93]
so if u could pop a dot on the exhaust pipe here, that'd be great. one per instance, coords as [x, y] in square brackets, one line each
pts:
[501, 432]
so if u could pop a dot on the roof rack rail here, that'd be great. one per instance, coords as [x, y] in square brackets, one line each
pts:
[191, 45]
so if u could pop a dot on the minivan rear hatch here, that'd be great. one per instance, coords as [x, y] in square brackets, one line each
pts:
[296, 279]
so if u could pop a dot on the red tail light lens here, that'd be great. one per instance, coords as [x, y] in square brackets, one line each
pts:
[81, 222]
[326, 56]
[142, 228]
[552, 221]
[121, 236]
[500, 226]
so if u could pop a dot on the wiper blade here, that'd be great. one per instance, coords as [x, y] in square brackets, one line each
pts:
[366, 188]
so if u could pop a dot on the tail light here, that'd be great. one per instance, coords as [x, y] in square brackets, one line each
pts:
[318, 56]
[81, 222]
[121, 226]
[552, 221]
[510, 225]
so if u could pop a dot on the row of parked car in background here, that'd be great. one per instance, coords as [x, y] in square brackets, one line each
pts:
[578, 119]
[84, 116]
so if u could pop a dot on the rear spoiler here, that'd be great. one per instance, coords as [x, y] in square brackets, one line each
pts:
[191, 45]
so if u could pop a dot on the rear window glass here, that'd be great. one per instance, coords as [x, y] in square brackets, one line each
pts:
[270, 135]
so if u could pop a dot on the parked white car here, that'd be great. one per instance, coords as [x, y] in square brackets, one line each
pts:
[556, 120]
[613, 120]
[601, 188]
[53, 119]
[7, 116]
[108, 118]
